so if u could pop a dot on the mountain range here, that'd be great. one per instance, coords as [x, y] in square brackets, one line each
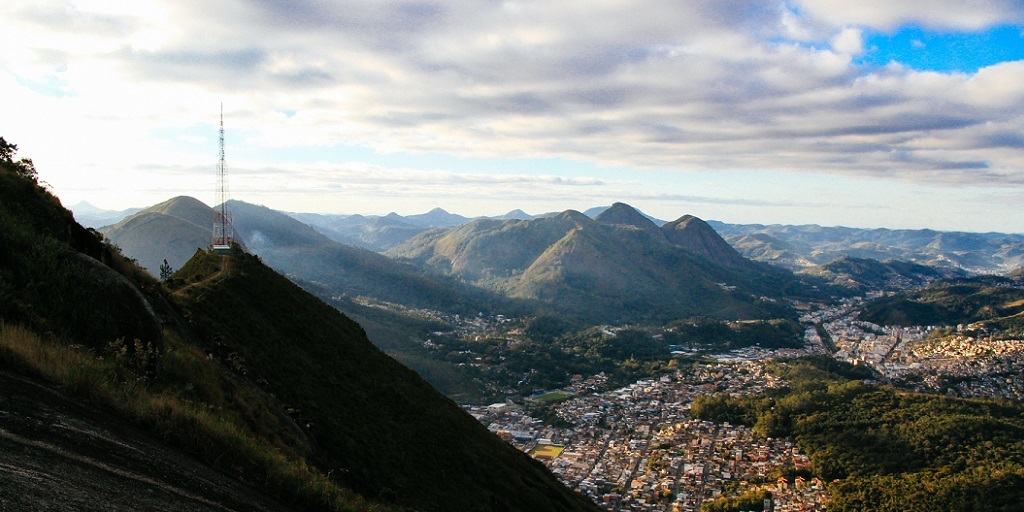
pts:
[617, 267]
[810, 245]
[793, 247]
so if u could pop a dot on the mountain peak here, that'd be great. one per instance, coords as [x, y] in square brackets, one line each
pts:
[698, 237]
[516, 214]
[622, 213]
[438, 217]
[574, 216]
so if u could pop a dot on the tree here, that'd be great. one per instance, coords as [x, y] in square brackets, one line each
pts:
[7, 151]
[23, 166]
[166, 271]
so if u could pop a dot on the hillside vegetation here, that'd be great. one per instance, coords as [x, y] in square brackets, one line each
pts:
[988, 300]
[619, 267]
[233, 363]
[888, 450]
[859, 275]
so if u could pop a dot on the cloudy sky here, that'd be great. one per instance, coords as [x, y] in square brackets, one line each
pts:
[874, 113]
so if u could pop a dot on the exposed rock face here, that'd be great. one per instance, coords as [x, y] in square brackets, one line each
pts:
[696, 236]
[58, 455]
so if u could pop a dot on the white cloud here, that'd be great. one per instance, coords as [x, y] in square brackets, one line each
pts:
[650, 84]
[849, 41]
[935, 14]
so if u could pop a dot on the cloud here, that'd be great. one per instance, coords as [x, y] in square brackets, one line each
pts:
[653, 84]
[938, 14]
[848, 42]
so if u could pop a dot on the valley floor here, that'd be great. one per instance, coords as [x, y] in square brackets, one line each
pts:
[637, 448]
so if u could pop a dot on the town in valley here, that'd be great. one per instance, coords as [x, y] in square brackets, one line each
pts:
[637, 447]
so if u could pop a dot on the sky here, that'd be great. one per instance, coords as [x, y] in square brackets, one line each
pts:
[875, 113]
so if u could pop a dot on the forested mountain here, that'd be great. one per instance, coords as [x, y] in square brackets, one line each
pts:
[887, 450]
[299, 251]
[175, 229]
[618, 267]
[996, 303]
[793, 247]
[234, 364]
[859, 275]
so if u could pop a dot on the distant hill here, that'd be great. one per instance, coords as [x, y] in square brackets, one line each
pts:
[615, 268]
[594, 212]
[698, 237]
[810, 245]
[93, 217]
[171, 230]
[793, 247]
[516, 214]
[234, 364]
[861, 275]
[299, 251]
[997, 302]
[437, 218]
[374, 233]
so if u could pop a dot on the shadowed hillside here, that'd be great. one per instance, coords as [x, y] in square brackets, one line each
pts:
[233, 364]
[380, 428]
[171, 231]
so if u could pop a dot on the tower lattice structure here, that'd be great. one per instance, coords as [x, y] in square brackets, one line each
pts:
[223, 231]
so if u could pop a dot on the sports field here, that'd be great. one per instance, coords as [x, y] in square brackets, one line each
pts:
[547, 450]
[552, 397]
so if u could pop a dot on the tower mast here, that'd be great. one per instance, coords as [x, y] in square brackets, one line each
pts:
[223, 231]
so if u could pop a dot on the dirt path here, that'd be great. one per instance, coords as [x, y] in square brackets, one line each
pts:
[57, 454]
[225, 268]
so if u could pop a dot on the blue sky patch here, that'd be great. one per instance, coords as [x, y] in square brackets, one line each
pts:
[926, 50]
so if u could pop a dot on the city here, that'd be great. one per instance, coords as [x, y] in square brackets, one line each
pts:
[638, 448]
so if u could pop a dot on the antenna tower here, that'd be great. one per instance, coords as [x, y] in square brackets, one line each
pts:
[223, 231]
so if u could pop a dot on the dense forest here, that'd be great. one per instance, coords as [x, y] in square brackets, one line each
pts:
[886, 449]
[998, 302]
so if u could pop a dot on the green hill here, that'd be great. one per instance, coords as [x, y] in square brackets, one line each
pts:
[299, 251]
[884, 449]
[380, 428]
[997, 302]
[619, 267]
[233, 363]
[859, 275]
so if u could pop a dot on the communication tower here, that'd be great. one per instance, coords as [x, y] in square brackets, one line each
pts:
[223, 231]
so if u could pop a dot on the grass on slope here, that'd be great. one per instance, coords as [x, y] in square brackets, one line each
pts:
[191, 403]
[71, 312]
[379, 427]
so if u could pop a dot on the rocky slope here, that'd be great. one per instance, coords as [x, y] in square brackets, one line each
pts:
[59, 455]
